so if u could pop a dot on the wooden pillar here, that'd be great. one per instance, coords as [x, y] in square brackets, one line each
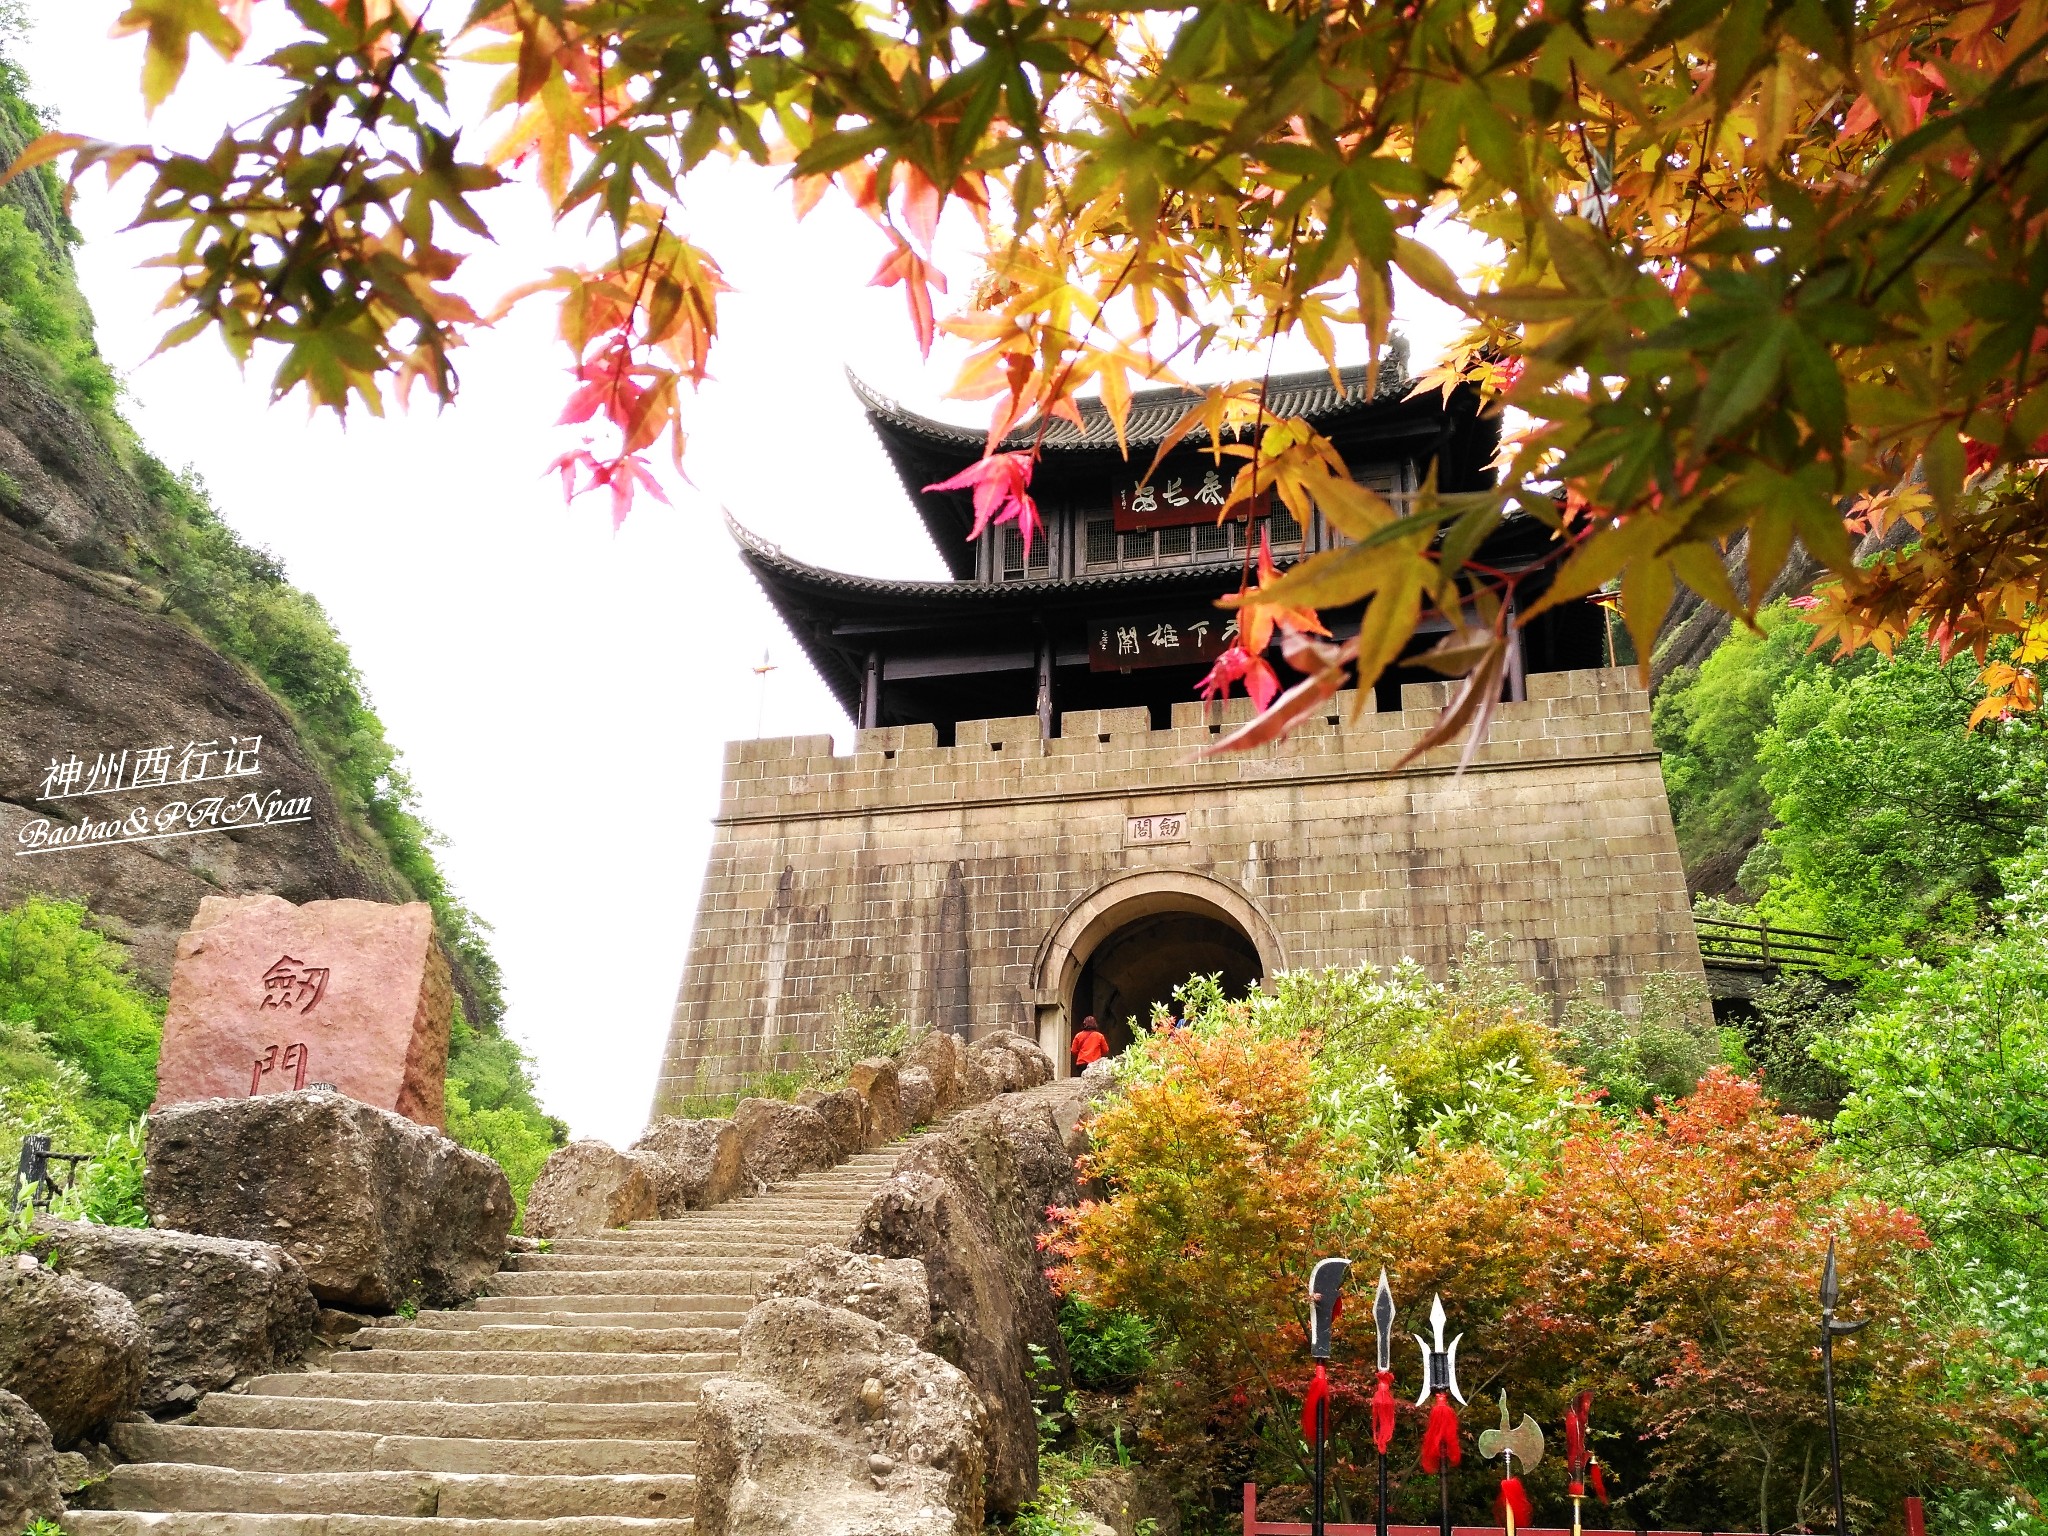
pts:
[1045, 700]
[871, 693]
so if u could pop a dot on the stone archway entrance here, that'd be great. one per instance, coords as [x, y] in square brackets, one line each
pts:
[1130, 942]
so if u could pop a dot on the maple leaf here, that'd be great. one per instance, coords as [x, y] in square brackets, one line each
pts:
[1001, 484]
[1240, 665]
[918, 277]
[623, 476]
[1257, 619]
[170, 25]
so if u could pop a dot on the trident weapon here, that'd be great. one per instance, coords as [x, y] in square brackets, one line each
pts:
[1830, 1330]
[1578, 1455]
[1383, 1393]
[1440, 1450]
[1525, 1441]
[1325, 1300]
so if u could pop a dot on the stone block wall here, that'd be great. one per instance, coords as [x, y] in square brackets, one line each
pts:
[965, 885]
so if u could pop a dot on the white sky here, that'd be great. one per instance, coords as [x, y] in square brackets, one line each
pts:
[561, 694]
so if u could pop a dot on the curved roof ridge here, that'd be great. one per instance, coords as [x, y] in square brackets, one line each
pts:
[1153, 412]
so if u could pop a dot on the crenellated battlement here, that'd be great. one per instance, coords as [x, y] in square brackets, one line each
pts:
[1600, 714]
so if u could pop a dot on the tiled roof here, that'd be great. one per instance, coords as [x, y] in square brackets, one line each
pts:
[1154, 411]
[768, 561]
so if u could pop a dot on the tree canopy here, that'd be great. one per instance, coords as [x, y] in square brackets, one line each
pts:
[1770, 267]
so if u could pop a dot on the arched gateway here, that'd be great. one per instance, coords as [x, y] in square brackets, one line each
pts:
[1126, 945]
[1027, 830]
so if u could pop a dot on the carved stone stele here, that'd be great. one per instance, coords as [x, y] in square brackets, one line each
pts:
[267, 997]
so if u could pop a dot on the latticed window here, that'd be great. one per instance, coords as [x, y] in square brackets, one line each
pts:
[1013, 554]
[1101, 541]
[1175, 541]
[1138, 546]
[1282, 527]
[1212, 536]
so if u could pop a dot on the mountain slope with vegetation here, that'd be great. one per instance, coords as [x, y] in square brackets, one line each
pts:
[130, 612]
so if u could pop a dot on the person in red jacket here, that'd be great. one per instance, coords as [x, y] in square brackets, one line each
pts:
[1089, 1045]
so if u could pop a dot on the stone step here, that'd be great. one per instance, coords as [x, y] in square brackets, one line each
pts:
[470, 1421]
[737, 1258]
[318, 1450]
[666, 1386]
[494, 1335]
[613, 1316]
[738, 1240]
[526, 1362]
[634, 1282]
[104, 1522]
[738, 1304]
[415, 1495]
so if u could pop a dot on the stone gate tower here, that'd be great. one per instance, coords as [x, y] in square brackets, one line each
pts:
[1025, 833]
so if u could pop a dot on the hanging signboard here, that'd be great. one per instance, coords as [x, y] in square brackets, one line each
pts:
[1181, 492]
[1177, 640]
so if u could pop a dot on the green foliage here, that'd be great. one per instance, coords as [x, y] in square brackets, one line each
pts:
[42, 1528]
[1948, 1080]
[1892, 817]
[1401, 1058]
[65, 992]
[1708, 720]
[1107, 1350]
[1793, 1015]
[491, 1105]
[109, 1188]
[863, 1030]
[1661, 1053]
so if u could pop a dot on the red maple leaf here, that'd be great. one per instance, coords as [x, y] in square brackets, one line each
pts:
[1002, 493]
[623, 476]
[1239, 665]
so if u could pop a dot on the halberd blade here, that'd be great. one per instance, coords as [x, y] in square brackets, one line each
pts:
[1451, 1369]
[1830, 1286]
[1383, 1321]
[1422, 1344]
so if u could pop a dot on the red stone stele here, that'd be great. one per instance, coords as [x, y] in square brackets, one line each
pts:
[268, 997]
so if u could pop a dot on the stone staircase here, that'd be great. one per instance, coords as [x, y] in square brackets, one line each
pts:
[559, 1404]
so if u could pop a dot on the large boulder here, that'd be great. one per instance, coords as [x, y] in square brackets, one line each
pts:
[833, 1425]
[74, 1351]
[28, 1467]
[846, 1116]
[892, 1292]
[215, 1309]
[875, 1081]
[919, 1099]
[782, 1140]
[589, 1186]
[376, 1209]
[695, 1164]
[969, 1202]
[943, 1057]
[1012, 1063]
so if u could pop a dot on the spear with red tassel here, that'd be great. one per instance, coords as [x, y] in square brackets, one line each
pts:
[1383, 1393]
[1579, 1457]
[1440, 1451]
[1325, 1301]
[1523, 1442]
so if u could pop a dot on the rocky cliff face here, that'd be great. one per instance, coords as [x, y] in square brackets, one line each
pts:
[135, 630]
[95, 662]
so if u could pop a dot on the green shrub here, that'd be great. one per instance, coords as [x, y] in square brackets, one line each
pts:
[67, 989]
[1108, 1350]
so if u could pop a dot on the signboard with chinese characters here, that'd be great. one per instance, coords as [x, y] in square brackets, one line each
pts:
[149, 794]
[1118, 645]
[1179, 493]
[1160, 827]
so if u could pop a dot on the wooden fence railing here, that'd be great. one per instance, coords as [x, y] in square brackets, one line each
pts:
[1761, 947]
